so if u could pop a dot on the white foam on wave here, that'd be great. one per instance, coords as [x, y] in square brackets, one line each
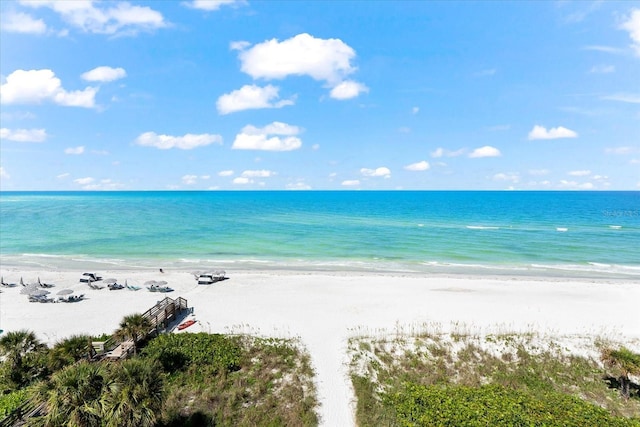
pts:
[615, 227]
[481, 227]
[562, 229]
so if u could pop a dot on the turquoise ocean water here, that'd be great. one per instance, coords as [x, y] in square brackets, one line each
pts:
[566, 234]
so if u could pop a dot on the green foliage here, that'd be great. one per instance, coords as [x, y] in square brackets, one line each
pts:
[69, 351]
[231, 381]
[133, 327]
[178, 351]
[133, 394]
[418, 405]
[627, 361]
[73, 395]
[517, 362]
[10, 401]
[22, 352]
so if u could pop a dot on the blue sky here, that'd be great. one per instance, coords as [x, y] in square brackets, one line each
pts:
[196, 95]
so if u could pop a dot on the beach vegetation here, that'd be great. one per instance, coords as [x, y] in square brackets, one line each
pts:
[133, 394]
[69, 351]
[10, 401]
[22, 353]
[623, 362]
[230, 380]
[73, 395]
[508, 379]
[134, 327]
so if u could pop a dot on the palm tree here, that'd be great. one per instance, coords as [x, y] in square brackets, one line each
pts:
[134, 394]
[626, 363]
[69, 351]
[133, 327]
[18, 347]
[73, 395]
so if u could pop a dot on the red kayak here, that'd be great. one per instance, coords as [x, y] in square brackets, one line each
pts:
[186, 324]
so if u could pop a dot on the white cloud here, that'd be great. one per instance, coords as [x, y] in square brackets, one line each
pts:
[111, 18]
[35, 86]
[381, 171]
[211, 5]
[602, 69]
[84, 181]
[4, 174]
[351, 183]
[23, 135]
[251, 97]
[348, 89]
[18, 22]
[63, 175]
[74, 150]
[185, 142]
[486, 151]
[510, 177]
[630, 98]
[225, 173]
[415, 110]
[242, 180]
[104, 74]
[104, 184]
[257, 173]
[606, 49]
[441, 152]
[189, 179]
[579, 173]
[298, 186]
[540, 132]
[326, 60]
[575, 185]
[538, 172]
[253, 138]
[632, 25]
[619, 150]
[239, 45]
[419, 166]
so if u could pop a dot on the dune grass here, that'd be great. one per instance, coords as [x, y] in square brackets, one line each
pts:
[234, 380]
[461, 378]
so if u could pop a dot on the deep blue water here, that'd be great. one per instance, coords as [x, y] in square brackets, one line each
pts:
[406, 231]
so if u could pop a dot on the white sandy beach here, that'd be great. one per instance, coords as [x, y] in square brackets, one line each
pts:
[325, 309]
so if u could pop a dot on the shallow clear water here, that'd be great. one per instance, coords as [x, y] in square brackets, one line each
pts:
[583, 234]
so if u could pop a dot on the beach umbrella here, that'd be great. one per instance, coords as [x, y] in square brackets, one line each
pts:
[65, 292]
[150, 283]
[38, 293]
[29, 288]
[161, 283]
[110, 281]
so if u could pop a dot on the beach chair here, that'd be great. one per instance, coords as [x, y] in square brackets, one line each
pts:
[45, 285]
[5, 284]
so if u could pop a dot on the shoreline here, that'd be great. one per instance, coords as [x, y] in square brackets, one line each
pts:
[324, 310]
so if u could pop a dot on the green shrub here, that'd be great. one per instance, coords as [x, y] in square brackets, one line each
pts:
[9, 402]
[418, 405]
[178, 351]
